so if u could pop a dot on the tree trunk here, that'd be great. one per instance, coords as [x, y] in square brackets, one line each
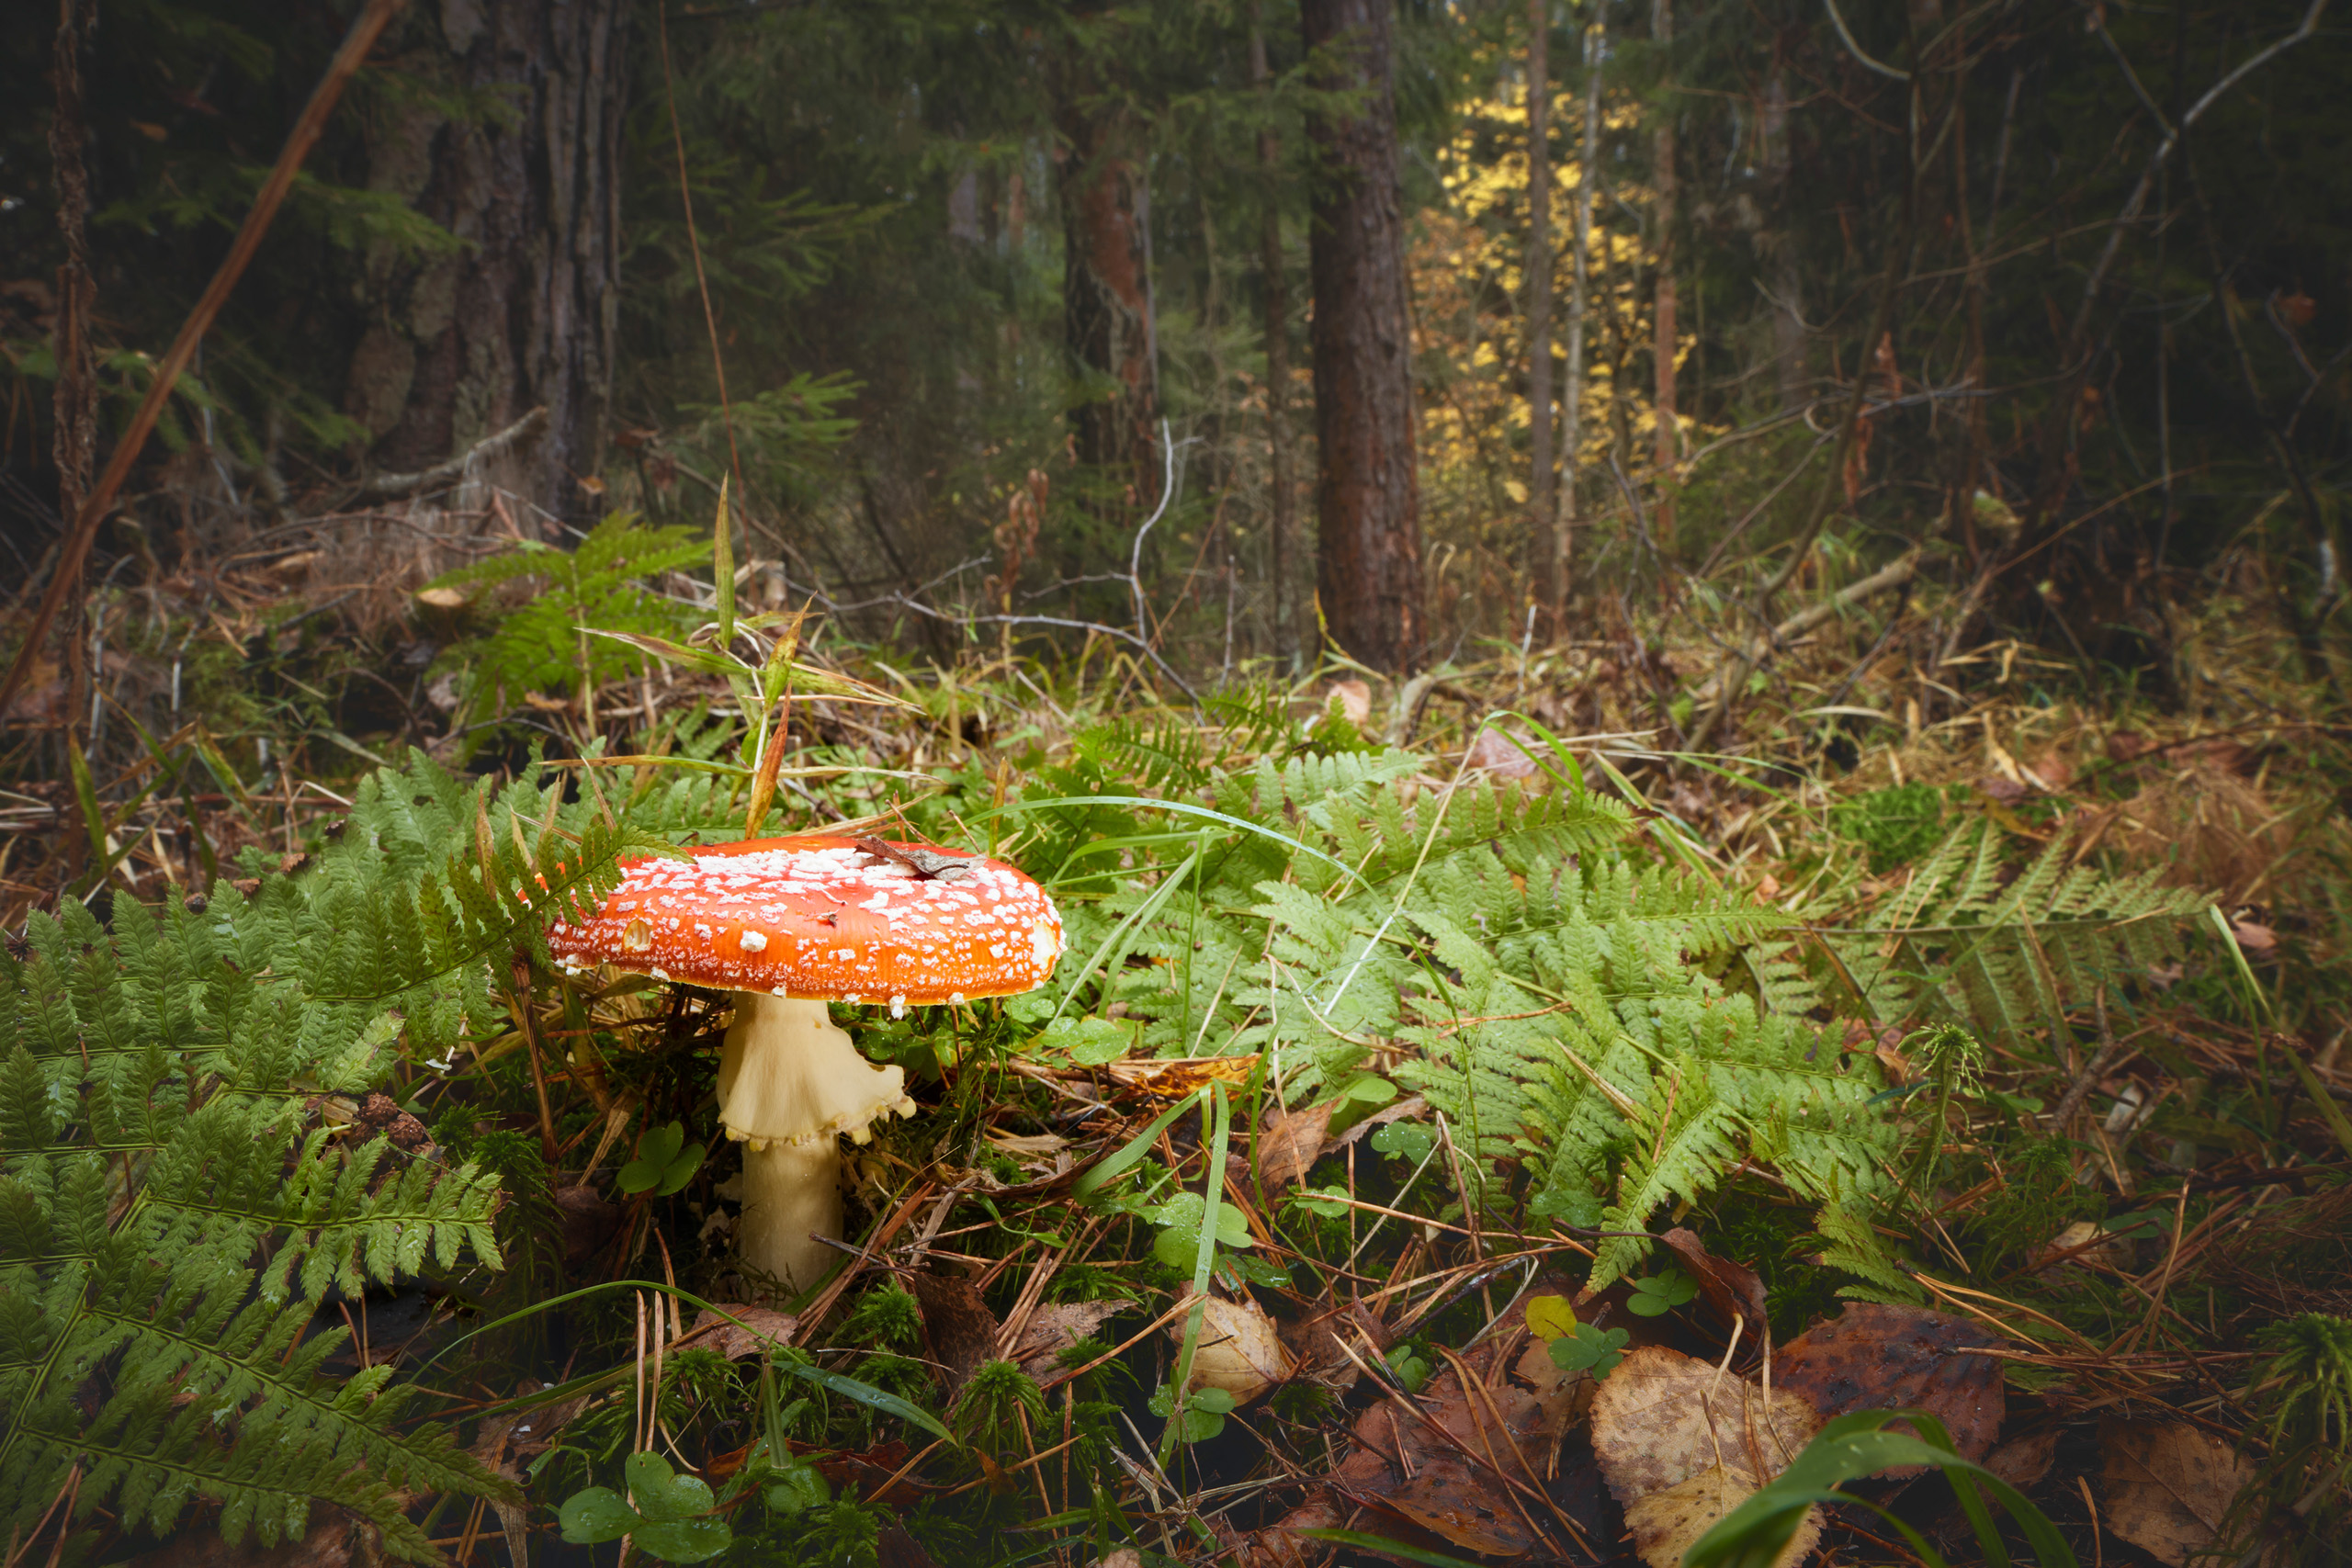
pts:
[1539, 273]
[459, 346]
[76, 407]
[1367, 491]
[1670, 435]
[1572, 399]
[1276, 292]
[1788, 282]
[1106, 281]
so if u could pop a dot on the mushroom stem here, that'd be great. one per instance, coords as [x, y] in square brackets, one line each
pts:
[792, 1194]
[789, 1084]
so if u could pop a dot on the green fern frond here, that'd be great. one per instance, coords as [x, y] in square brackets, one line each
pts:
[1852, 1243]
[170, 1220]
[538, 644]
[1956, 943]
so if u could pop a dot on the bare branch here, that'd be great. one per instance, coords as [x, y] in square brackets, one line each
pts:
[2163, 154]
[455, 468]
[1856, 50]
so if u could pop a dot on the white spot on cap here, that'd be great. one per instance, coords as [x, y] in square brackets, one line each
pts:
[753, 942]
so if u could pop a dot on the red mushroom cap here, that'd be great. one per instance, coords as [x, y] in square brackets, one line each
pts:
[824, 917]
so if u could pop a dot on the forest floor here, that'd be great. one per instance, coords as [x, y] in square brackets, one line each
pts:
[2059, 949]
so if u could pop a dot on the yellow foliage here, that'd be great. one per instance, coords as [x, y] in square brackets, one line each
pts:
[1467, 264]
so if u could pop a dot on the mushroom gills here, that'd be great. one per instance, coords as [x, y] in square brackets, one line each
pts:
[788, 1074]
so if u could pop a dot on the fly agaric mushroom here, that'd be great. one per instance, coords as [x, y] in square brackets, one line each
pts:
[787, 925]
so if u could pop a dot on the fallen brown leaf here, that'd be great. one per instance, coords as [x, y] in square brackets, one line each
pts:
[1668, 1523]
[1893, 1357]
[1464, 1461]
[2024, 1461]
[2167, 1485]
[2081, 1244]
[1449, 1497]
[1498, 755]
[957, 1327]
[336, 1537]
[1054, 1328]
[1662, 1418]
[1291, 1142]
[1281, 1544]
[1732, 1288]
[1174, 1077]
[1404, 1110]
[1682, 1442]
[1239, 1350]
[895, 1548]
[2259, 942]
[589, 1222]
[755, 1330]
[1315, 1341]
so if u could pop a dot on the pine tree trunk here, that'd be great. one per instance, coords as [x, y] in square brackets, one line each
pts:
[1572, 398]
[1368, 569]
[1669, 442]
[1788, 282]
[1539, 273]
[460, 347]
[1106, 282]
[76, 406]
[1276, 291]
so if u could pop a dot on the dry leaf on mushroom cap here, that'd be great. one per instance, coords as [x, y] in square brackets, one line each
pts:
[1682, 1442]
[2169, 1485]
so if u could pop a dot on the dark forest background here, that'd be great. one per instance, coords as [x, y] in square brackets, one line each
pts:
[2083, 265]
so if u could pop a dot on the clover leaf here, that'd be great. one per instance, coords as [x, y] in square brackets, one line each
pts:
[661, 1493]
[1407, 1140]
[1204, 1412]
[665, 1162]
[1590, 1350]
[1661, 1294]
[1179, 1243]
[1550, 1317]
[673, 1518]
[1408, 1367]
[1088, 1041]
[684, 1540]
[793, 1491]
[596, 1516]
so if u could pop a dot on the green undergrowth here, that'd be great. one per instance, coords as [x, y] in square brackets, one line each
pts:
[1572, 1026]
